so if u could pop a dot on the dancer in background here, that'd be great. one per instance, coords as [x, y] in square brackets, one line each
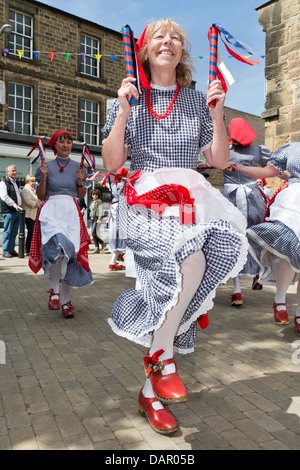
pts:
[60, 239]
[117, 243]
[275, 243]
[244, 193]
[96, 212]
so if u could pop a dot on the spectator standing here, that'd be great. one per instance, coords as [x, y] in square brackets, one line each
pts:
[10, 206]
[30, 203]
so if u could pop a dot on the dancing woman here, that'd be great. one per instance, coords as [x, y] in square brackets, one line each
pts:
[177, 225]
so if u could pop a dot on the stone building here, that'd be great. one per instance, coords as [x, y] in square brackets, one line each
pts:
[57, 71]
[280, 20]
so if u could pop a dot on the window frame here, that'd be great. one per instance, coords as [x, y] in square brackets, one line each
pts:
[14, 35]
[15, 109]
[90, 60]
[93, 137]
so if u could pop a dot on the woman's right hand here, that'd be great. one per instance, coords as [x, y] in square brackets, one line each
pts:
[44, 169]
[127, 91]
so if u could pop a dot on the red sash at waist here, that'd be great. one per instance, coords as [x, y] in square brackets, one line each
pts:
[161, 197]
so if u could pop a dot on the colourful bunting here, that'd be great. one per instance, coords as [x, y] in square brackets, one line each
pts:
[113, 57]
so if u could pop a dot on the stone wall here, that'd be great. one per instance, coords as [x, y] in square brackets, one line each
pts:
[58, 84]
[280, 20]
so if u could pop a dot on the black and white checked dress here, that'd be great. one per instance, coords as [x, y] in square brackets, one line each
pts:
[167, 150]
[278, 237]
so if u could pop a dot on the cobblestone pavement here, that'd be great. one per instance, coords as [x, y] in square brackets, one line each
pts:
[73, 384]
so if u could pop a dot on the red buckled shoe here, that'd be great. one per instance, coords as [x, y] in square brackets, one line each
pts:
[237, 300]
[167, 388]
[162, 421]
[297, 325]
[116, 267]
[280, 316]
[53, 304]
[67, 310]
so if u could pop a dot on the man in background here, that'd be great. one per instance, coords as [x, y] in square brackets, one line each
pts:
[10, 206]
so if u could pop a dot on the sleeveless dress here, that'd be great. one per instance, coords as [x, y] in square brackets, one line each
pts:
[165, 152]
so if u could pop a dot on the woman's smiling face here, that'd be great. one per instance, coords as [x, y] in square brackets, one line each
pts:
[164, 50]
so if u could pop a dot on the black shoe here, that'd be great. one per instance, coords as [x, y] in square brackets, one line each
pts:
[14, 253]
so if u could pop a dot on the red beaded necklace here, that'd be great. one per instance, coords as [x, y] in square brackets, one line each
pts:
[170, 107]
[61, 168]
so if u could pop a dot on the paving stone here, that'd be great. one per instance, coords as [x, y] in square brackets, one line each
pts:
[74, 385]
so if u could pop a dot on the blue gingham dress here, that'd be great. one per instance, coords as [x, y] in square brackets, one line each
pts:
[167, 150]
[244, 192]
[279, 237]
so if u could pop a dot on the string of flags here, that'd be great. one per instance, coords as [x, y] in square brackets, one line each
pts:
[67, 55]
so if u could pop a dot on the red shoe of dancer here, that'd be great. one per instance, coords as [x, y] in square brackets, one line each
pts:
[167, 388]
[162, 421]
[280, 316]
[203, 321]
[237, 300]
[115, 267]
[67, 310]
[53, 304]
[297, 325]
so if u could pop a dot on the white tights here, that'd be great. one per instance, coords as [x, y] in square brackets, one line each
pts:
[115, 255]
[55, 275]
[284, 278]
[192, 270]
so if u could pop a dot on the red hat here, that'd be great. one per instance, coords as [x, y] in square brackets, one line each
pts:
[52, 141]
[143, 39]
[241, 131]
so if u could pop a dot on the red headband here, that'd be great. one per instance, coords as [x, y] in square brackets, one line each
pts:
[52, 141]
[143, 39]
[241, 131]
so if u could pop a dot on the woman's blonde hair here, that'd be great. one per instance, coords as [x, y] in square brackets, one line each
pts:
[185, 68]
[29, 178]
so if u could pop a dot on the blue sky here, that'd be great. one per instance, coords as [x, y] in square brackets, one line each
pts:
[238, 17]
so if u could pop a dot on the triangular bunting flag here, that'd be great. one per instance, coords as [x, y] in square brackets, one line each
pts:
[51, 54]
[20, 52]
[98, 57]
[82, 57]
[36, 54]
[67, 57]
[113, 57]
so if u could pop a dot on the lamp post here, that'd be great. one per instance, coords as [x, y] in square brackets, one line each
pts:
[5, 29]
